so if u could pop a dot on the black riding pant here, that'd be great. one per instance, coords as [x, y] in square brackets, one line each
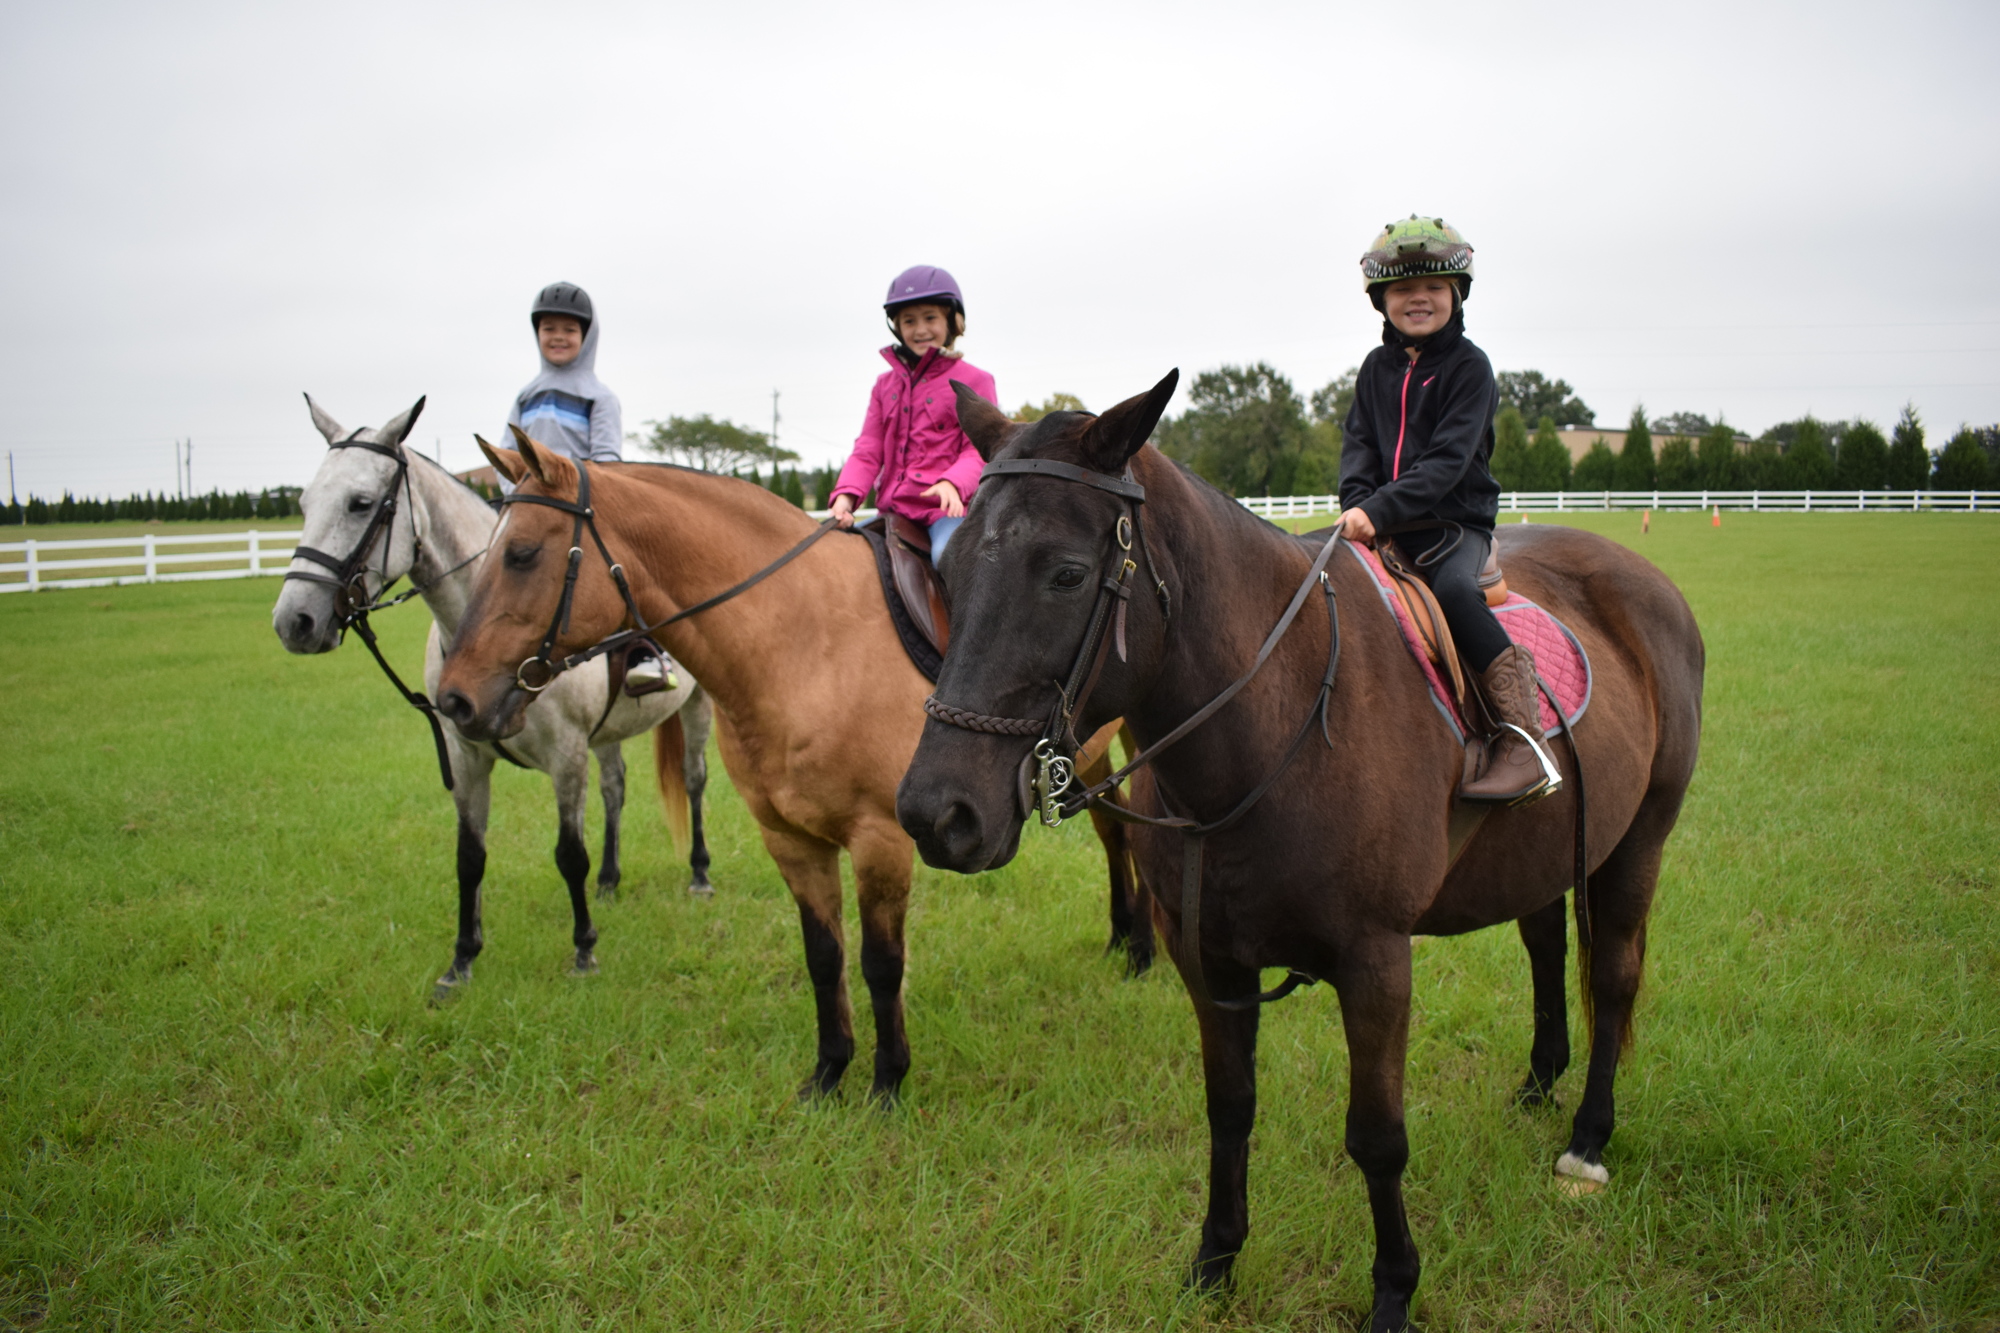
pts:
[1452, 571]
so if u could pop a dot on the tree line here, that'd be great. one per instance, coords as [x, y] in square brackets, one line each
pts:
[283, 502]
[1249, 431]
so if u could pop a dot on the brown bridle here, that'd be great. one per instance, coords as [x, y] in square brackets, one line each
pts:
[1046, 790]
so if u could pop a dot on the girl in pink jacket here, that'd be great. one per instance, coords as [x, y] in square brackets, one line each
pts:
[911, 452]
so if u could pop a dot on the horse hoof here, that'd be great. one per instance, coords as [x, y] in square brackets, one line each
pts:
[586, 965]
[1211, 1275]
[448, 984]
[701, 888]
[607, 893]
[1578, 1177]
[1534, 1096]
[1390, 1315]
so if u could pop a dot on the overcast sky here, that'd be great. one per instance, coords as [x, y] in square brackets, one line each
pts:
[1749, 209]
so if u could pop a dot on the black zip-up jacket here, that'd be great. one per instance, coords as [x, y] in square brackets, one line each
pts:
[1438, 410]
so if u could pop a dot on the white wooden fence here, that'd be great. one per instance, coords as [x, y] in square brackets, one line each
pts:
[27, 566]
[1984, 502]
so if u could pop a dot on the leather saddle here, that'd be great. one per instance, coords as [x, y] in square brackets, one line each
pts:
[1428, 616]
[909, 548]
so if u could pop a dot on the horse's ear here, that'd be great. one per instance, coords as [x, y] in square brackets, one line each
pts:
[556, 473]
[986, 425]
[327, 425]
[393, 431]
[1113, 438]
[505, 461]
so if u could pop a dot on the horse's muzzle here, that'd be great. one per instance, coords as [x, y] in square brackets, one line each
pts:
[954, 828]
[506, 716]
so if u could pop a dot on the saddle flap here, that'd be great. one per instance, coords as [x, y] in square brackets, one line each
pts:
[1428, 617]
[917, 581]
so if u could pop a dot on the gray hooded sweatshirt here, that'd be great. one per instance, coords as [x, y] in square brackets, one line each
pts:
[570, 410]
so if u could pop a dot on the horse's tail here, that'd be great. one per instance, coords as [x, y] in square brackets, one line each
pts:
[669, 747]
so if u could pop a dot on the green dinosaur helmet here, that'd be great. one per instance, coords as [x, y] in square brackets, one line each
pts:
[1415, 248]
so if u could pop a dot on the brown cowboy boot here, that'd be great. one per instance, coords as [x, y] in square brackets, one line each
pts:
[1517, 768]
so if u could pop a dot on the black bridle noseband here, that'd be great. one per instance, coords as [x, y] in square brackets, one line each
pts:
[1047, 790]
[538, 672]
[352, 601]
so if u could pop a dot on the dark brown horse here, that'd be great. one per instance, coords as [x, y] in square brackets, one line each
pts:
[817, 707]
[1349, 852]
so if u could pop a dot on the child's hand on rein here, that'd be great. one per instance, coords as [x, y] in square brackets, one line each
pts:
[948, 499]
[1356, 526]
[843, 511]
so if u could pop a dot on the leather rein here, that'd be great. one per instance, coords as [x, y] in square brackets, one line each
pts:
[538, 672]
[352, 603]
[1047, 791]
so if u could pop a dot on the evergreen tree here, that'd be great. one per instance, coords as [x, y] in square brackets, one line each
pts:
[1961, 464]
[1635, 462]
[1596, 470]
[1863, 461]
[1719, 467]
[795, 490]
[1548, 459]
[1678, 470]
[1510, 450]
[1808, 464]
[1909, 463]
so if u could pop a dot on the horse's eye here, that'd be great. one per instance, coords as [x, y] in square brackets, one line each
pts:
[1069, 578]
[360, 504]
[522, 557]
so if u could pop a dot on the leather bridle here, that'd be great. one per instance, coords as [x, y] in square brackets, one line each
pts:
[538, 672]
[352, 601]
[1047, 790]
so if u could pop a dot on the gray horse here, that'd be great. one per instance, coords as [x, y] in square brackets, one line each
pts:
[435, 535]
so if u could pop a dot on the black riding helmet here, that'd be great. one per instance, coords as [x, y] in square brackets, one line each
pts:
[562, 298]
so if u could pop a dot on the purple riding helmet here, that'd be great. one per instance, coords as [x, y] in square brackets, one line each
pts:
[925, 282]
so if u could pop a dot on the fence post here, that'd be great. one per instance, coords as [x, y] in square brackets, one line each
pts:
[34, 573]
[152, 564]
[256, 563]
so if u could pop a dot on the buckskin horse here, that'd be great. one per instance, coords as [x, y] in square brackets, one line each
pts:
[1302, 787]
[376, 513]
[818, 707]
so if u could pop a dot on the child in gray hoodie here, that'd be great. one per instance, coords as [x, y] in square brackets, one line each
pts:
[567, 407]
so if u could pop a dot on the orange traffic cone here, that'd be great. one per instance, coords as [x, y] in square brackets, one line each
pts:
[1645, 520]
[1717, 521]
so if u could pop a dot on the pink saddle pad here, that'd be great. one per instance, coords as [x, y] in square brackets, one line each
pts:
[1559, 658]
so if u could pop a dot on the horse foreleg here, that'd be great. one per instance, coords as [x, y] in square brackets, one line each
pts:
[611, 785]
[1546, 935]
[572, 784]
[811, 869]
[882, 883]
[472, 794]
[1229, 1069]
[697, 720]
[1619, 897]
[1373, 980]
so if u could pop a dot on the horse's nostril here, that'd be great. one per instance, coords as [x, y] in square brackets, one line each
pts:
[456, 707]
[302, 627]
[957, 831]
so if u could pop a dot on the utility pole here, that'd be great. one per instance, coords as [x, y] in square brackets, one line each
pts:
[774, 429]
[12, 498]
[190, 465]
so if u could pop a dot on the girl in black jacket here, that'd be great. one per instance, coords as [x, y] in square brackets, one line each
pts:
[1414, 469]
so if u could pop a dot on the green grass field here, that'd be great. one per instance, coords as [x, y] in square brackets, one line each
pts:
[226, 887]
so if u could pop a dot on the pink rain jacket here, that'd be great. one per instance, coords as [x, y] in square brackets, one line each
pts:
[911, 439]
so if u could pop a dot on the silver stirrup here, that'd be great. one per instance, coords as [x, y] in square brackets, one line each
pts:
[1551, 782]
